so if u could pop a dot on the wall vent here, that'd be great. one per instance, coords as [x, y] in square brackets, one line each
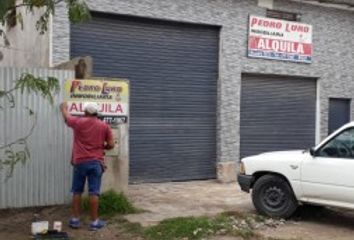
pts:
[289, 16]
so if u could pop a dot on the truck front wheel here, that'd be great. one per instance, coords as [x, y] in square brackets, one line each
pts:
[272, 196]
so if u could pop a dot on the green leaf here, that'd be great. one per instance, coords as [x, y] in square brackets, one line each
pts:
[27, 151]
[19, 18]
[53, 84]
[46, 87]
[21, 157]
[10, 18]
[9, 152]
[78, 11]
[4, 9]
[4, 37]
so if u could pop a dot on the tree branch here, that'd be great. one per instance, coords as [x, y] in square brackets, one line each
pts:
[29, 5]
[8, 91]
[23, 139]
[14, 156]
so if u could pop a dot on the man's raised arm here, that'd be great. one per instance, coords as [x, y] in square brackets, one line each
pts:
[64, 111]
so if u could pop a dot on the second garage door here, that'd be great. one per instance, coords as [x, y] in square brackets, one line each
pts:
[173, 70]
[277, 113]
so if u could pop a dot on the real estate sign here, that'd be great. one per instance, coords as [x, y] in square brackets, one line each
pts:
[112, 96]
[278, 39]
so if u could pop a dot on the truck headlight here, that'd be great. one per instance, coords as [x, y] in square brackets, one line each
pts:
[242, 168]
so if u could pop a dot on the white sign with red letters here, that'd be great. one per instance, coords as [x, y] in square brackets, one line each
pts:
[112, 97]
[279, 39]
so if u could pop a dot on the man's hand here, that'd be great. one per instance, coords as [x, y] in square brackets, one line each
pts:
[104, 166]
[64, 110]
[63, 106]
[109, 145]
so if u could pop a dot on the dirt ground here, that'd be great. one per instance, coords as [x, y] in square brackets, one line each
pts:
[196, 198]
[16, 224]
[209, 197]
[313, 224]
[180, 199]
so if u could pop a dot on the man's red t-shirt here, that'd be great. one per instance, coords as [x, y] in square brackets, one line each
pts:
[90, 135]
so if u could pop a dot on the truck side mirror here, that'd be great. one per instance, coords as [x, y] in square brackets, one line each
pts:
[312, 151]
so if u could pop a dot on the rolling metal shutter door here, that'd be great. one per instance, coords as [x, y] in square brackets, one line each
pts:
[277, 113]
[173, 69]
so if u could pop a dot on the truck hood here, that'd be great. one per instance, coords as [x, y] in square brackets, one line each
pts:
[281, 153]
[275, 155]
[278, 161]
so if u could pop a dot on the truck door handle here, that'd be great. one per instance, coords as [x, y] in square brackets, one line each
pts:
[294, 167]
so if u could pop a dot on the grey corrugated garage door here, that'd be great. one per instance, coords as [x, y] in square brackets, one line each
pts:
[173, 69]
[277, 113]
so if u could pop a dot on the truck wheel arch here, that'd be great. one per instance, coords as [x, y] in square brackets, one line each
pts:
[257, 175]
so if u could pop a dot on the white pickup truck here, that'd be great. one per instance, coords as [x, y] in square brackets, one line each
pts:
[323, 175]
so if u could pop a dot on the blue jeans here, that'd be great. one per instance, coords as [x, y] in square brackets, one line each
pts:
[90, 170]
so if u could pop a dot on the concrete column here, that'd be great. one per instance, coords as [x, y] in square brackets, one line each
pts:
[226, 172]
[83, 70]
[116, 176]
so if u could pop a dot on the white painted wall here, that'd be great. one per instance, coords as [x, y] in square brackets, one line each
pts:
[28, 48]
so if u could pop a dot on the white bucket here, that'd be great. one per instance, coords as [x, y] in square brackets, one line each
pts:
[40, 227]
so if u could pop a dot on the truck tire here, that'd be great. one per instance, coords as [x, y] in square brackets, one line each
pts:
[272, 196]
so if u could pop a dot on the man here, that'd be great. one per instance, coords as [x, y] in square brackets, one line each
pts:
[91, 137]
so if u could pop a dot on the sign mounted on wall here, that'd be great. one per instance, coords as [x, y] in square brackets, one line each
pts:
[112, 96]
[279, 39]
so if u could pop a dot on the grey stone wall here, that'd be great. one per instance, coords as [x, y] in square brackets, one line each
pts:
[333, 62]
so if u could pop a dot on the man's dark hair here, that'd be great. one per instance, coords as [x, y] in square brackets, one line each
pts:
[91, 114]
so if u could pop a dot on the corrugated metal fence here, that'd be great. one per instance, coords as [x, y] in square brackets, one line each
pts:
[45, 178]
